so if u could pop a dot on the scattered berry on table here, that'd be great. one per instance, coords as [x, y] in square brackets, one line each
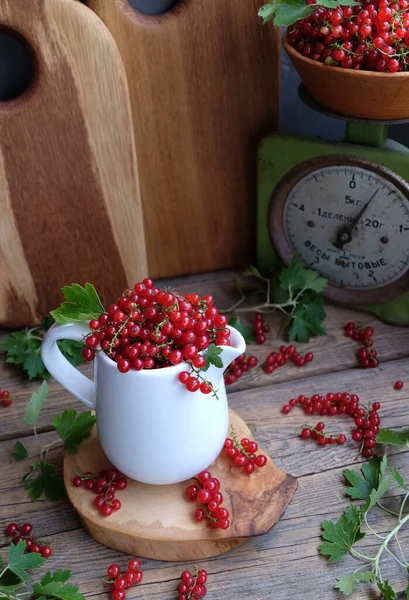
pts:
[398, 385]
[239, 366]
[367, 357]
[105, 484]
[5, 399]
[260, 329]
[123, 581]
[24, 532]
[243, 453]
[366, 419]
[278, 359]
[207, 492]
[373, 36]
[192, 586]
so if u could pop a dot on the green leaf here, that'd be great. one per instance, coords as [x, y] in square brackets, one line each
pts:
[376, 494]
[35, 404]
[23, 349]
[52, 586]
[253, 272]
[19, 452]
[47, 482]
[212, 356]
[287, 15]
[267, 12]
[20, 562]
[347, 583]
[82, 304]
[361, 487]
[398, 478]
[72, 351]
[313, 282]
[393, 438]
[387, 591]
[307, 318]
[247, 331]
[292, 276]
[341, 535]
[73, 428]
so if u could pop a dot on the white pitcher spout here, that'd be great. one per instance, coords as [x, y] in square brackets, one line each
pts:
[237, 347]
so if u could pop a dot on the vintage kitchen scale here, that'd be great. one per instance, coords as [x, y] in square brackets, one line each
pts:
[343, 208]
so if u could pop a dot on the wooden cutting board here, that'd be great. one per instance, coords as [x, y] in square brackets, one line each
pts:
[69, 192]
[157, 521]
[204, 85]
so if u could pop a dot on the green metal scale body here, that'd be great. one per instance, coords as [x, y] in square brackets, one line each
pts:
[280, 153]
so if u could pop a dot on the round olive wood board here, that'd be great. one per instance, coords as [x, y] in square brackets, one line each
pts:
[157, 521]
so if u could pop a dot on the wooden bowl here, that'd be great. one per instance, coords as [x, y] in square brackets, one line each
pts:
[361, 94]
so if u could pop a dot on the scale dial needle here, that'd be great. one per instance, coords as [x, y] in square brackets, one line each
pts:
[344, 235]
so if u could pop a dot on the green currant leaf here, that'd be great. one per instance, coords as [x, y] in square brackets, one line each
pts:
[73, 428]
[72, 351]
[288, 14]
[347, 583]
[52, 586]
[19, 562]
[340, 536]
[267, 12]
[212, 356]
[19, 452]
[376, 494]
[398, 478]
[35, 404]
[82, 304]
[393, 438]
[44, 479]
[362, 486]
[247, 331]
[386, 589]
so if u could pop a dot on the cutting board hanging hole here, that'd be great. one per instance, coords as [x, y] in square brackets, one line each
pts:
[17, 65]
[152, 7]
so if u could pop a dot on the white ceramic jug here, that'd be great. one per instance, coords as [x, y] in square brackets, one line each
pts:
[151, 428]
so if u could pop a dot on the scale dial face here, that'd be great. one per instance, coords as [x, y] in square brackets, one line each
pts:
[348, 219]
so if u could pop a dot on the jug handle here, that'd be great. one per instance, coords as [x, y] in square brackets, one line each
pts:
[60, 368]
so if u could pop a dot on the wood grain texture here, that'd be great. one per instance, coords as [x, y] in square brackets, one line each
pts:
[283, 563]
[69, 190]
[204, 85]
[157, 521]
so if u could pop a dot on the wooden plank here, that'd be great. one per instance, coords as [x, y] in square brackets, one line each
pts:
[204, 85]
[69, 189]
[332, 353]
[283, 563]
[265, 565]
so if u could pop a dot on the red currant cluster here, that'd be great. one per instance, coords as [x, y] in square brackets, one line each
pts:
[372, 36]
[192, 587]
[398, 385]
[104, 485]
[148, 328]
[239, 366]
[194, 381]
[5, 399]
[366, 356]
[243, 453]
[278, 359]
[317, 433]
[367, 420]
[23, 532]
[207, 492]
[260, 329]
[123, 581]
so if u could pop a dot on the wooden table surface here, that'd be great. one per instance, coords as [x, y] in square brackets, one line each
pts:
[285, 563]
